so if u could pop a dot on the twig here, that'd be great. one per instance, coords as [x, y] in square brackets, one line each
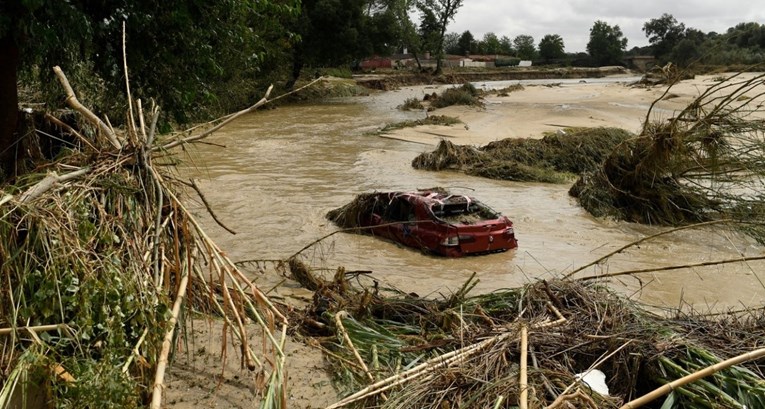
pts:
[637, 242]
[523, 399]
[38, 328]
[69, 129]
[339, 322]
[648, 270]
[667, 388]
[209, 208]
[230, 118]
[136, 351]
[71, 100]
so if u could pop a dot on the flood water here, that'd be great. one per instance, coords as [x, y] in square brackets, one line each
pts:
[282, 169]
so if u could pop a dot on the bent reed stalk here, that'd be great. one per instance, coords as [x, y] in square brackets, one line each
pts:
[101, 265]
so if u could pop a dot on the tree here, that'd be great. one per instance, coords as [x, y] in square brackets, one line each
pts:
[491, 44]
[663, 34]
[551, 47]
[607, 44]
[179, 51]
[506, 45]
[524, 47]
[437, 14]
[452, 43]
[465, 43]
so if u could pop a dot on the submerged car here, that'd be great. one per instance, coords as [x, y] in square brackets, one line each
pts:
[432, 220]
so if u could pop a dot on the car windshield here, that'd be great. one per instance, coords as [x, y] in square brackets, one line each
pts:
[464, 213]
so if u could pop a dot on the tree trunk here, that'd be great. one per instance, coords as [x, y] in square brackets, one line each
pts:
[9, 104]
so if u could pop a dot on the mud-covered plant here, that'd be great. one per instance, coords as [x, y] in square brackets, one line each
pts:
[705, 163]
[411, 104]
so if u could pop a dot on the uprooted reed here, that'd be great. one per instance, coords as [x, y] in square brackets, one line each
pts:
[465, 351]
[101, 261]
[555, 158]
[705, 163]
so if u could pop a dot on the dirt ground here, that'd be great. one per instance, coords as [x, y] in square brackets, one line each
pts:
[200, 378]
[541, 108]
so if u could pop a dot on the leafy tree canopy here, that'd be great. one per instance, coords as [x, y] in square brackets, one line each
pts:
[435, 17]
[524, 47]
[663, 34]
[551, 47]
[607, 44]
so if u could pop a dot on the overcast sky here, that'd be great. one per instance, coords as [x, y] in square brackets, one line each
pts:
[573, 19]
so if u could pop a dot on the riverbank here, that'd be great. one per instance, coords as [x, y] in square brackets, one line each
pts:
[392, 79]
[539, 108]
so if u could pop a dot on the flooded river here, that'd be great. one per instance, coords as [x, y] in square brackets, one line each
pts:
[281, 170]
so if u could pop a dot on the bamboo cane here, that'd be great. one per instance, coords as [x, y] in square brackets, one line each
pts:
[523, 399]
[159, 378]
[667, 388]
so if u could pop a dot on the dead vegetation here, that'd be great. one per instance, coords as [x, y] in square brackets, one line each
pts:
[526, 347]
[101, 263]
[705, 163]
[555, 158]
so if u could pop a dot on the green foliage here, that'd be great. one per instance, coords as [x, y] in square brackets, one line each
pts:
[664, 33]
[430, 120]
[551, 47]
[491, 44]
[507, 62]
[524, 47]
[466, 43]
[435, 16]
[607, 44]
[178, 51]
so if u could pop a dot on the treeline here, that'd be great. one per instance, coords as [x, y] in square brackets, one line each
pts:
[200, 59]
[672, 41]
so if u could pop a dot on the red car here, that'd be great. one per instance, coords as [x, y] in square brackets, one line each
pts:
[432, 220]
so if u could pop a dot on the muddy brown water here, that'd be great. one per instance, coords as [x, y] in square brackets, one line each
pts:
[281, 170]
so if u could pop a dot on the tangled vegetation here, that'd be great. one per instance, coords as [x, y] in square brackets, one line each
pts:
[429, 120]
[704, 164]
[100, 261]
[555, 158]
[397, 350]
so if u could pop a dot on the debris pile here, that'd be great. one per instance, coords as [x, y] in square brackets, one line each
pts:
[536, 345]
[556, 158]
[704, 164]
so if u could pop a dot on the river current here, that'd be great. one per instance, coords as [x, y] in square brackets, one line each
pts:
[282, 169]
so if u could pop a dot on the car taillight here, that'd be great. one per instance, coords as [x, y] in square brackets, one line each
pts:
[451, 241]
[509, 232]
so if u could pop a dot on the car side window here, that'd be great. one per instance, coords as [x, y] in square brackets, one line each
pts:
[400, 210]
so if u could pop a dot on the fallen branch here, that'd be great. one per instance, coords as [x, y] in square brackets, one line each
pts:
[74, 103]
[229, 118]
[209, 208]
[159, 378]
[48, 182]
[637, 242]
